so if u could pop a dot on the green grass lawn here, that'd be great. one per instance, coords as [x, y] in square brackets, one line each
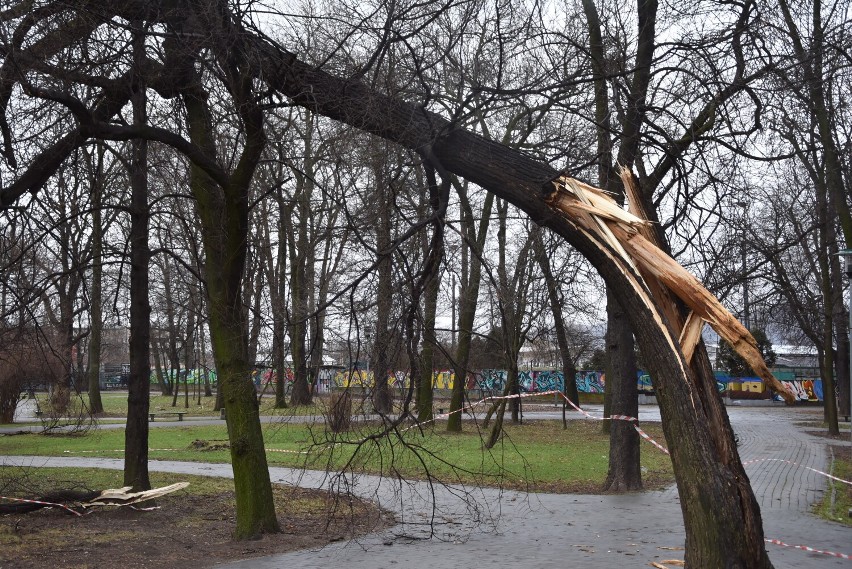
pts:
[539, 455]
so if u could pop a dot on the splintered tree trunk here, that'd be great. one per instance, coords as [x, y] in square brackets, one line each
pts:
[721, 516]
[624, 468]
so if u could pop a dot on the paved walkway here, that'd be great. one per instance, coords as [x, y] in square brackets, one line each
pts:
[474, 527]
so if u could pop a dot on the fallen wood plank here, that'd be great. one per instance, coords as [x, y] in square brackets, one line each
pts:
[121, 496]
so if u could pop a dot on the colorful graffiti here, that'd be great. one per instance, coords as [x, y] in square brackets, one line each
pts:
[492, 380]
[548, 380]
[363, 378]
[591, 381]
[191, 376]
[487, 380]
[805, 389]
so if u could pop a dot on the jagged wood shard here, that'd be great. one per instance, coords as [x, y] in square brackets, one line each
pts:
[122, 496]
[690, 335]
[627, 236]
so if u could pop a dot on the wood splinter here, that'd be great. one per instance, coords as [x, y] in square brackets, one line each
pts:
[625, 234]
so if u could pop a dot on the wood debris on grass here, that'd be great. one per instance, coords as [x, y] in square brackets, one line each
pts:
[123, 496]
[74, 500]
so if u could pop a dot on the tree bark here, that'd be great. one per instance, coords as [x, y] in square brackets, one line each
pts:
[96, 405]
[472, 249]
[301, 269]
[624, 473]
[223, 210]
[379, 360]
[433, 254]
[569, 367]
[721, 516]
[138, 396]
[224, 228]
[427, 354]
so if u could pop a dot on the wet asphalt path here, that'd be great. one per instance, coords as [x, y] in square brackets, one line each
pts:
[473, 527]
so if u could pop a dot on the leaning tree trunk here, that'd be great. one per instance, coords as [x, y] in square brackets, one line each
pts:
[224, 226]
[721, 516]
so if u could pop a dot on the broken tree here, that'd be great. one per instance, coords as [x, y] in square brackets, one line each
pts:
[721, 516]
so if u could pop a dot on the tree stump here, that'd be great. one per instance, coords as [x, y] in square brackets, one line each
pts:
[340, 411]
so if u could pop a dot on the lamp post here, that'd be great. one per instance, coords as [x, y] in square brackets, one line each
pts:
[367, 350]
[746, 315]
[847, 256]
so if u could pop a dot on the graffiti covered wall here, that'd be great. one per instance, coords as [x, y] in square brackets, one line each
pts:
[490, 380]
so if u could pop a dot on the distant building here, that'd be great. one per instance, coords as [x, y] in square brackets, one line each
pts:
[796, 356]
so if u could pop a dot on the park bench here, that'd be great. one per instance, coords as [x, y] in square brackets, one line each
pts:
[180, 414]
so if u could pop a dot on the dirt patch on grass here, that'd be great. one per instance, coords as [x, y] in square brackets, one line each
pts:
[187, 531]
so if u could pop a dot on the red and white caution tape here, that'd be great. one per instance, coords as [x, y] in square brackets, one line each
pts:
[577, 408]
[826, 474]
[809, 549]
[645, 436]
[46, 504]
[627, 418]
